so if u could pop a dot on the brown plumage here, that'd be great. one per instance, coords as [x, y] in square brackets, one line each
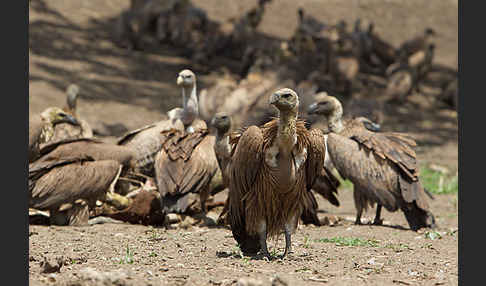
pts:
[272, 169]
[66, 130]
[382, 166]
[147, 140]
[184, 168]
[55, 182]
[93, 148]
[41, 128]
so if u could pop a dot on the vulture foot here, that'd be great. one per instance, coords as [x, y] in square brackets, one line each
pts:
[378, 220]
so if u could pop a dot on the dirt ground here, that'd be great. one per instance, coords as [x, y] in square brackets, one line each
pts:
[70, 41]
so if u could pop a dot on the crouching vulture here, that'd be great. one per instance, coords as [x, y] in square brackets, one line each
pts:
[41, 128]
[77, 172]
[272, 169]
[326, 183]
[382, 166]
[184, 168]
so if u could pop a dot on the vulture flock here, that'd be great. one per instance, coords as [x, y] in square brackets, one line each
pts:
[272, 165]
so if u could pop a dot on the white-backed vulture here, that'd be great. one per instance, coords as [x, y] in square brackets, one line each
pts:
[65, 130]
[272, 170]
[41, 128]
[148, 140]
[184, 168]
[382, 166]
[67, 180]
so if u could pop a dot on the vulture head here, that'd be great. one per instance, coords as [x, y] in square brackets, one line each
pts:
[368, 124]
[186, 78]
[55, 115]
[285, 99]
[222, 122]
[325, 105]
[72, 92]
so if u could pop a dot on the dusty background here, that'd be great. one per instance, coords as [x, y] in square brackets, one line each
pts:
[70, 41]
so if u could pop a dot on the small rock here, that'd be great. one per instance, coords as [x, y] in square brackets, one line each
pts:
[278, 281]
[52, 265]
[173, 218]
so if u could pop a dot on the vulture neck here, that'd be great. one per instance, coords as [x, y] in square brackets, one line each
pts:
[190, 105]
[335, 121]
[287, 133]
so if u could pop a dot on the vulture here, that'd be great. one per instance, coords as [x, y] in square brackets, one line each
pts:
[382, 166]
[184, 169]
[41, 128]
[326, 183]
[64, 159]
[67, 180]
[273, 167]
[147, 140]
[65, 130]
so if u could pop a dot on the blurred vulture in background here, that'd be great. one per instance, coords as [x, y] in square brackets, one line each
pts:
[382, 166]
[69, 131]
[41, 128]
[147, 141]
[272, 170]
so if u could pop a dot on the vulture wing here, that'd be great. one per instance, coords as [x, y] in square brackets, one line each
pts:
[185, 164]
[248, 152]
[147, 142]
[53, 183]
[35, 131]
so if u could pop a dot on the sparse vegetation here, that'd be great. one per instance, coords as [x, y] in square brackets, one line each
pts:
[128, 258]
[349, 241]
[437, 182]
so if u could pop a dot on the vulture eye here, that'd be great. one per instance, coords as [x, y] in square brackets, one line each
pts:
[224, 117]
[286, 95]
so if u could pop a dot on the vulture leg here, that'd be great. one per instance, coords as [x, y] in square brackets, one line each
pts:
[288, 232]
[262, 234]
[359, 206]
[378, 220]
[203, 198]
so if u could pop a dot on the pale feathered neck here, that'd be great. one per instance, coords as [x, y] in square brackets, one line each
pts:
[335, 121]
[189, 104]
[287, 130]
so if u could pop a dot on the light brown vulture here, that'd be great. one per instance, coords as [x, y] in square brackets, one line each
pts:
[272, 170]
[148, 140]
[66, 130]
[41, 128]
[184, 168]
[382, 166]
[67, 180]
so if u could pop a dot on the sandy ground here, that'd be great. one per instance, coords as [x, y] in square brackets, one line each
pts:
[70, 41]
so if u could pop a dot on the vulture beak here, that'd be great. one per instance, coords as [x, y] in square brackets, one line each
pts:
[370, 125]
[274, 98]
[312, 108]
[180, 80]
[67, 119]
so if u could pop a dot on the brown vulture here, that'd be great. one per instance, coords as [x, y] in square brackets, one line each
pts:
[273, 168]
[41, 128]
[147, 140]
[184, 169]
[65, 130]
[382, 166]
[64, 159]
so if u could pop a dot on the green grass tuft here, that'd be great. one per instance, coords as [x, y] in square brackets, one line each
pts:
[349, 241]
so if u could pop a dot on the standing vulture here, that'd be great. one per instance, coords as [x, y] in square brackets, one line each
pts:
[41, 128]
[326, 184]
[273, 168]
[382, 166]
[147, 140]
[67, 131]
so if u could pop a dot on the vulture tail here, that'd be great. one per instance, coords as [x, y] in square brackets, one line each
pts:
[309, 215]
